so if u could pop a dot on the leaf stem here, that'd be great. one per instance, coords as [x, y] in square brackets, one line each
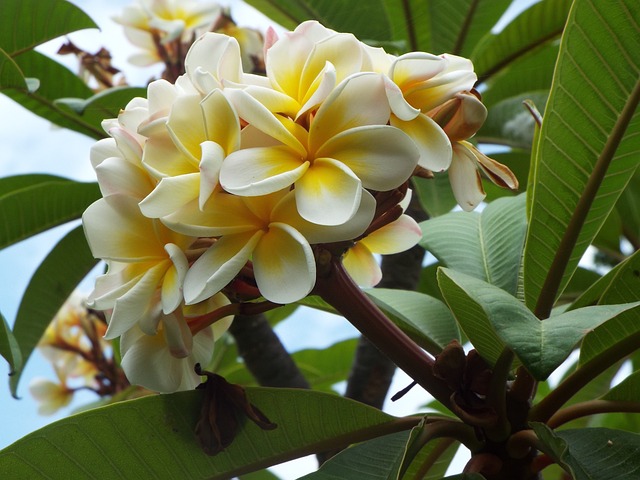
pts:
[338, 289]
[591, 407]
[549, 405]
[569, 239]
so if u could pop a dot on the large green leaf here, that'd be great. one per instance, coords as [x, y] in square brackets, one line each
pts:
[25, 24]
[541, 345]
[593, 453]
[10, 74]
[589, 122]
[9, 347]
[435, 194]
[54, 280]
[366, 20]
[458, 25]
[30, 204]
[153, 437]
[55, 82]
[619, 285]
[486, 245]
[536, 26]
[425, 319]
[626, 391]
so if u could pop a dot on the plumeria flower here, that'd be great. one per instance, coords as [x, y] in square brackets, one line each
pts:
[269, 231]
[52, 396]
[146, 264]
[348, 146]
[169, 20]
[204, 132]
[462, 116]
[164, 362]
[394, 237]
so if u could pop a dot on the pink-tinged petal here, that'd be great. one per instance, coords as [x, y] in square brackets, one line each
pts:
[170, 195]
[284, 265]
[433, 144]
[287, 212]
[171, 293]
[223, 214]
[117, 230]
[399, 106]
[161, 95]
[365, 91]
[118, 176]
[465, 179]
[362, 266]
[161, 158]
[329, 193]
[103, 149]
[260, 171]
[210, 164]
[221, 121]
[140, 305]
[186, 125]
[219, 265]
[414, 68]
[382, 157]
[394, 237]
[127, 144]
[495, 171]
[253, 112]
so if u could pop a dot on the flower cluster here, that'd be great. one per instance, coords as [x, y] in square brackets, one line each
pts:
[220, 188]
[74, 345]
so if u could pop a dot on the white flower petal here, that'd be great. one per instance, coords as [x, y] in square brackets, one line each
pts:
[186, 125]
[465, 179]
[103, 149]
[284, 265]
[171, 293]
[210, 164]
[433, 144]
[362, 266]
[394, 237]
[221, 121]
[118, 176]
[329, 193]
[382, 157]
[219, 265]
[170, 195]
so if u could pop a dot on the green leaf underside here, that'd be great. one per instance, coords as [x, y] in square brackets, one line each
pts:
[54, 280]
[106, 442]
[9, 347]
[594, 453]
[33, 204]
[425, 319]
[599, 62]
[485, 245]
[541, 345]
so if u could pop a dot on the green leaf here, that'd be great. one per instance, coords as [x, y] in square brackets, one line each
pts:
[55, 81]
[596, 81]
[629, 209]
[9, 347]
[620, 285]
[24, 24]
[540, 345]
[10, 74]
[485, 245]
[626, 391]
[40, 202]
[52, 283]
[509, 123]
[533, 28]
[425, 319]
[593, 453]
[153, 437]
[624, 330]
[458, 25]
[435, 194]
[366, 20]
[376, 459]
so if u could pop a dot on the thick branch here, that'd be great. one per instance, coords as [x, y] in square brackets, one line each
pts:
[263, 353]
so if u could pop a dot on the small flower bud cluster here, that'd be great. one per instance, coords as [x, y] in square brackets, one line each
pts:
[220, 188]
